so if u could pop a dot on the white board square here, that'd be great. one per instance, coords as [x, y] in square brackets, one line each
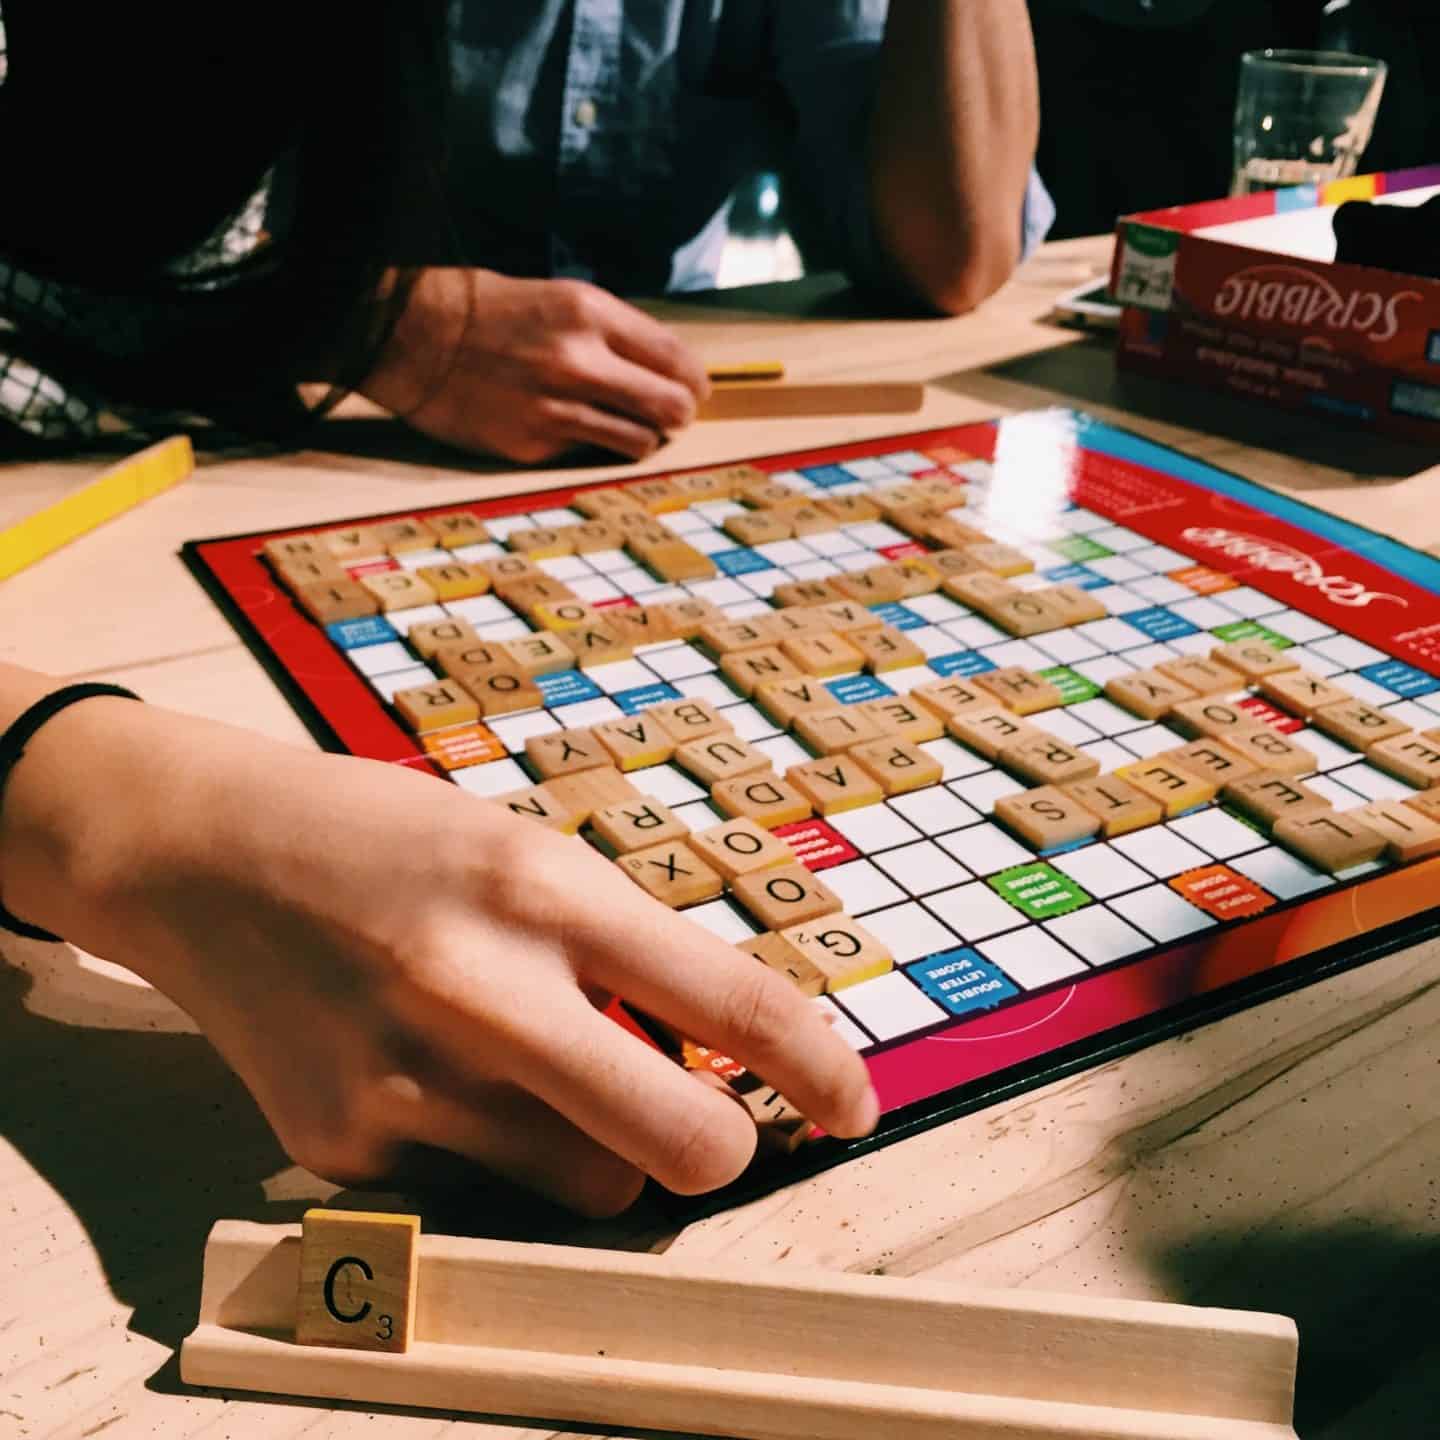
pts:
[935, 810]
[1218, 834]
[876, 827]
[909, 933]
[1162, 914]
[862, 888]
[922, 868]
[1031, 958]
[1100, 871]
[890, 1006]
[1097, 935]
[984, 849]
[975, 912]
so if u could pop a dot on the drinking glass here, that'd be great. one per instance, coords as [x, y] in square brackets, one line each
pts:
[1303, 117]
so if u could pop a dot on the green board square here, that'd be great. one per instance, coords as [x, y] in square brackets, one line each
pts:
[1073, 686]
[1251, 630]
[1038, 891]
[1078, 549]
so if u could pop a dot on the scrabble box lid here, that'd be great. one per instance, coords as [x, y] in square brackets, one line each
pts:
[1244, 295]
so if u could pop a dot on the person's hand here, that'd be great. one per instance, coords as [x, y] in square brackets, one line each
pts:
[530, 369]
[388, 961]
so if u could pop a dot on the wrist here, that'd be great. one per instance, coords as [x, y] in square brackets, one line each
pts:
[420, 350]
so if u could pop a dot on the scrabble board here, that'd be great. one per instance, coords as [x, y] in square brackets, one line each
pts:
[1015, 746]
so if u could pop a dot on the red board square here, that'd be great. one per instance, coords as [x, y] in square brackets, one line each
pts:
[1203, 580]
[618, 602]
[817, 846]
[1264, 711]
[904, 551]
[1219, 891]
[381, 565]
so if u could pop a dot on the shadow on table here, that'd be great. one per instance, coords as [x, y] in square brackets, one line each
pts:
[1083, 373]
[1364, 1299]
[149, 1139]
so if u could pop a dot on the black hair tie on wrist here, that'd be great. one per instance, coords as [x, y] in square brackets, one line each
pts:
[12, 747]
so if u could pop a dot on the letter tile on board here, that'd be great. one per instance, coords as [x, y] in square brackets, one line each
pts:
[477, 654]
[988, 731]
[565, 752]
[1075, 605]
[787, 895]
[1254, 659]
[632, 826]
[1044, 760]
[739, 846]
[1211, 760]
[542, 805]
[821, 654]
[1272, 751]
[635, 742]
[540, 654]
[720, 757]
[294, 547]
[298, 570]
[455, 528]
[835, 783]
[603, 502]
[1029, 612]
[806, 592]
[879, 585]
[501, 690]
[1048, 817]
[841, 949]
[747, 670]
[1409, 835]
[781, 956]
[899, 767]
[437, 706]
[1176, 789]
[726, 637]
[597, 643]
[455, 581]
[898, 715]
[358, 1273]
[1204, 677]
[329, 602]
[541, 542]
[833, 730]
[687, 720]
[403, 536]
[767, 800]
[757, 527]
[1270, 798]
[784, 701]
[1119, 806]
[1356, 723]
[951, 697]
[885, 648]
[1413, 757]
[566, 615]
[430, 637]
[847, 618]
[1218, 719]
[782, 1129]
[1150, 694]
[1020, 690]
[673, 874]
[352, 545]
[1331, 841]
[398, 590]
[1300, 692]
[586, 791]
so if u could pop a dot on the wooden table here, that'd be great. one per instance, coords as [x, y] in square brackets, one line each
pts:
[1283, 1159]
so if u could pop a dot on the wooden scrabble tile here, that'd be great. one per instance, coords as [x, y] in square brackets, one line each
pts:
[352, 545]
[476, 654]
[1218, 719]
[886, 648]
[1019, 690]
[529, 593]
[1332, 841]
[592, 535]
[586, 791]
[1176, 789]
[638, 825]
[951, 697]
[1414, 758]
[1272, 751]
[780, 1127]
[741, 477]
[1254, 659]
[841, 949]
[897, 765]
[901, 715]
[635, 742]
[979, 589]
[638, 522]
[879, 585]
[501, 690]
[739, 846]
[436, 706]
[1075, 604]
[566, 752]
[893, 499]
[831, 731]
[687, 616]
[919, 578]
[639, 625]
[1300, 692]
[720, 757]
[358, 1273]
[567, 615]
[1356, 723]
[1212, 760]
[767, 800]
[541, 654]
[808, 519]
[1118, 805]
[835, 783]
[1204, 677]
[319, 568]
[1027, 612]
[398, 590]
[686, 720]
[673, 873]
[1002, 560]
[988, 730]
[1268, 798]
[848, 509]
[757, 527]
[703, 485]
[781, 956]
[679, 560]
[728, 637]
[1150, 694]
[541, 542]
[330, 601]
[545, 807]
[603, 502]
[767, 494]
[806, 592]
[1048, 817]
[402, 536]
[455, 581]
[952, 561]
[1409, 835]
[1427, 803]
[798, 620]
[596, 643]
[746, 670]
[915, 520]
[296, 547]
[456, 528]
[658, 496]
[823, 654]
[787, 895]
[847, 618]
[785, 700]
[1044, 760]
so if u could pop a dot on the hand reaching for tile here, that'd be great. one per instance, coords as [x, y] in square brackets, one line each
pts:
[389, 962]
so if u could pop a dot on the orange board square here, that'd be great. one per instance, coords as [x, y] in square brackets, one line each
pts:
[1203, 580]
[1220, 891]
[463, 746]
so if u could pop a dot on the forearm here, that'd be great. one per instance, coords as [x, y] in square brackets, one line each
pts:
[952, 139]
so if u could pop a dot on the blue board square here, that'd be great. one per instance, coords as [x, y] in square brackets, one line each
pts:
[828, 476]
[901, 617]
[740, 561]
[1402, 679]
[1159, 623]
[962, 981]
[567, 687]
[961, 663]
[1075, 575]
[644, 696]
[851, 689]
[355, 634]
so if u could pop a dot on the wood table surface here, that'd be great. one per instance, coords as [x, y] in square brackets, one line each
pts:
[1286, 1158]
